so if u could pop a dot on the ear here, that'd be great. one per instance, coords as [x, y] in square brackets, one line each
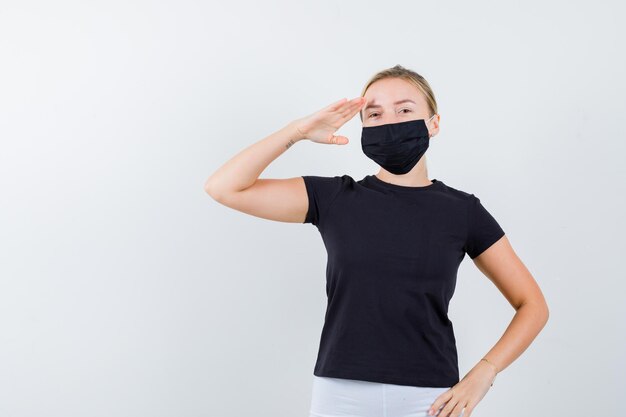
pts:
[433, 132]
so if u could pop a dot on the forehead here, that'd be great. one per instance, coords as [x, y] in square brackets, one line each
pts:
[387, 91]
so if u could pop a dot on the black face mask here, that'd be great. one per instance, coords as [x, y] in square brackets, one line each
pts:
[397, 147]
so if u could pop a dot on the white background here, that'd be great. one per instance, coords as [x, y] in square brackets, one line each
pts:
[126, 291]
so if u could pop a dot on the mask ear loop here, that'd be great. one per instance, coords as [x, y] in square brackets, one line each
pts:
[427, 121]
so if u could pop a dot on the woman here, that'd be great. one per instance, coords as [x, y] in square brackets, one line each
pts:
[394, 241]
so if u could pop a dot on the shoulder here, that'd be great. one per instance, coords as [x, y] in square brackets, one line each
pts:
[322, 191]
[459, 195]
[333, 182]
[471, 200]
[328, 187]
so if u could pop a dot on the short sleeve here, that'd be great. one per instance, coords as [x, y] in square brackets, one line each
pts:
[321, 192]
[483, 229]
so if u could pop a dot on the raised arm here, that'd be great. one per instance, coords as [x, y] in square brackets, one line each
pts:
[237, 185]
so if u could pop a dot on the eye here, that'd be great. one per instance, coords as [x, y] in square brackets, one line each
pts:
[371, 114]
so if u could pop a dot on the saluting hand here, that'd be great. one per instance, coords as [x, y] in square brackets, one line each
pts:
[320, 126]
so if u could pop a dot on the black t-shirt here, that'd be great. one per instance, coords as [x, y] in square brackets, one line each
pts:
[393, 256]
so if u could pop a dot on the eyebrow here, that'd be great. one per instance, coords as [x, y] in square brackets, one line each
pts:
[374, 105]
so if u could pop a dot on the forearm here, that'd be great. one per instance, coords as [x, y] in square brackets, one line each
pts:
[243, 169]
[526, 324]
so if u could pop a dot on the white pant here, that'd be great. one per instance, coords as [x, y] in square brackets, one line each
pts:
[335, 397]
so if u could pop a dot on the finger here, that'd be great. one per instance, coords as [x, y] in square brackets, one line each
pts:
[347, 106]
[353, 106]
[337, 104]
[468, 411]
[349, 113]
[450, 405]
[345, 119]
[458, 411]
[442, 399]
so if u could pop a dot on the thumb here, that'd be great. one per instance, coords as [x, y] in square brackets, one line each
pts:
[337, 140]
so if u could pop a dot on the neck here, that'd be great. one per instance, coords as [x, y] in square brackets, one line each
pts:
[417, 177]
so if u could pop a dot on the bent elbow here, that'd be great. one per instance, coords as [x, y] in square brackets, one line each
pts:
[544, 313]
[212, 190]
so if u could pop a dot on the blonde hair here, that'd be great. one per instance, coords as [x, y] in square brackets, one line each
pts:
[411, 76]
